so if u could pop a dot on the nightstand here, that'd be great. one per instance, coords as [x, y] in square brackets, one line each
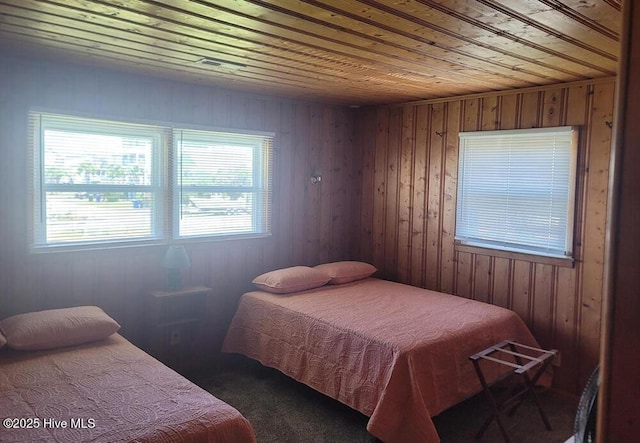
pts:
[175, 327]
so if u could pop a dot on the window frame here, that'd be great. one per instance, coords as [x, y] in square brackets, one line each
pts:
[464, 242]
[262, 163]
[164, 182]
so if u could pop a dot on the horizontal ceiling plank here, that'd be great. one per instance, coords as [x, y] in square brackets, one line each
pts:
[313, 29]
[401, 33]
[493, 25]
[353, 52]
[186, 54]
[210, 47]
[168, 18]
[135, 65]
[545, 20]
[431, 30]
[222, 76]
[96, 49]
[548, 20]
[315, 37]
[594, 14]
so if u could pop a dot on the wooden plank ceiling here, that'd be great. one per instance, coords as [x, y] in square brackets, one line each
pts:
[351, 52]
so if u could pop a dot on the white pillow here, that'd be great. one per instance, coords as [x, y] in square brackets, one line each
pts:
[294, 279]
[346, 271]
[57, 328]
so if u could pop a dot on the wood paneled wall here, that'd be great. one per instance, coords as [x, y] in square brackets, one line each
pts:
[311, 222]
[410, 163]
[387, 196]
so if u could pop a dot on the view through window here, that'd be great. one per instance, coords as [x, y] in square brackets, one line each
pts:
[98, 181]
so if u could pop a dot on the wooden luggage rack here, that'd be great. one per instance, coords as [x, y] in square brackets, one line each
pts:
[524, 360]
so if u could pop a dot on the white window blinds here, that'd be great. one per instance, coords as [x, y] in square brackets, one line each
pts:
[223, 184]
[516, 190]
[99, 182]
[95, 181]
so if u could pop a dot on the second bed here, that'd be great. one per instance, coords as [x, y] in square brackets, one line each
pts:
[397, 353]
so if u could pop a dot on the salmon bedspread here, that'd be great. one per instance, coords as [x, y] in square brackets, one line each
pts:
[108, 391]
[397, 353]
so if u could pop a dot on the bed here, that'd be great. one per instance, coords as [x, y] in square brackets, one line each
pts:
[397, 353]
[103, 390]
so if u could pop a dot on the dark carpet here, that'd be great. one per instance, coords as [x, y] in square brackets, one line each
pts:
[284, 411]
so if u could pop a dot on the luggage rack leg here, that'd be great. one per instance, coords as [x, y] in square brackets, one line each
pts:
[540, 363]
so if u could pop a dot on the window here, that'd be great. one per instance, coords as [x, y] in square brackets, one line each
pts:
[516, 190]
[98, 182]
[222, 183]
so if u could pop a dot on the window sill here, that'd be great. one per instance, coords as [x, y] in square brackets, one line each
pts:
[100, 247]
[542, 259]
[94, 247]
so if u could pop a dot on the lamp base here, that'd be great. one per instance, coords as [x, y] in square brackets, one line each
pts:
[174, 279]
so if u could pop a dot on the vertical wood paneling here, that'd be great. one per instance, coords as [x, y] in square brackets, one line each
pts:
[509, 115]
[437, 150]
[283, 183]
[392, 194]
[380, 189]
[566, 329]
[482, 278]
[300, 182]
[110, 287]
[420, 236]
[310, 225]
[502, 282]
[57, 275]
[488, 115]
[464, 274]
[448, 199]
[146, 264]
[83, 282]
[471, 114]
[219, 272]
[366, 130]
[599, 147]
[521, 290]
[562, 306]
[325, 189]
[337, 202]
[313, 194]
[542, 314]
[405, 194]
[553, 107]
[529, 110]
[198, 273]
[353, 155]
[218, 107]
[271, 122]
[255, 262]
[401, 167]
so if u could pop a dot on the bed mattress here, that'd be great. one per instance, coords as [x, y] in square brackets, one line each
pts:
[397, 353]
[108, 391]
